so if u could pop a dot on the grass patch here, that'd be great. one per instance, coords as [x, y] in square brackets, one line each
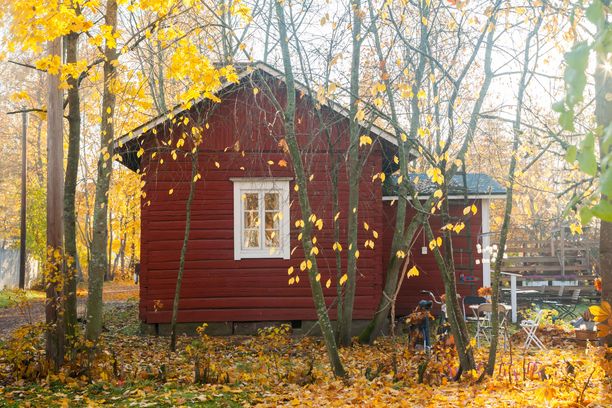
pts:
[8, 297]
[142, 394]
[122, 318]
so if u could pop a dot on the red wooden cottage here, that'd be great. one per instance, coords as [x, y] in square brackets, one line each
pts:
[236, 265]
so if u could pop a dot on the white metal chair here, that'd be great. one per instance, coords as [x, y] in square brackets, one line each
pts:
[530, 326]
[484, 328]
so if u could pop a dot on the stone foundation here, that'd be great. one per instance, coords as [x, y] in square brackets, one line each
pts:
[299, 328]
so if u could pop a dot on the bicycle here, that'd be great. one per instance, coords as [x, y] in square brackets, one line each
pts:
[421, 318]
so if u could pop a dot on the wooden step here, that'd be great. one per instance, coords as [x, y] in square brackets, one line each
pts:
[532, 259]
[543, 268]
[534, 251]
[536, 278]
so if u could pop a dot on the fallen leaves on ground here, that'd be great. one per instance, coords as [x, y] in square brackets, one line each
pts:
[277, 369]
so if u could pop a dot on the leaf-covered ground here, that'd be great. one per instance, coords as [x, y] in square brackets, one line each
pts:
[276, 369]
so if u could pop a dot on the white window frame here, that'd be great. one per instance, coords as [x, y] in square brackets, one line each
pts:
[261, 185]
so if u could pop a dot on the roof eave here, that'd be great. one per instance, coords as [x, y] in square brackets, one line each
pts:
[137, 132]
[477, 196]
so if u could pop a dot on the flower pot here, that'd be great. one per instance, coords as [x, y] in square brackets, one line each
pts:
[586, 335]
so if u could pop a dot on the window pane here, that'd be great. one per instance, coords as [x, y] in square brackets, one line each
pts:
[251, 219]
[271, 200]
[251, 201]
[251, 238]
[271, 220]
[272, 238]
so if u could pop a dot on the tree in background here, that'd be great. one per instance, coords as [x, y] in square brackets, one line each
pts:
[99, 260]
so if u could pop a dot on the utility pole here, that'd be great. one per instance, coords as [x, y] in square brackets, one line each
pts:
[22, 247]
[55, 210]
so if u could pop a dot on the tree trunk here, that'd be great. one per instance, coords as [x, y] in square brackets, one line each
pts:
[179, 277]
[495, 279]
[117, 261]
[454, 312]
[354, 175]
[72, 168]
[122, 251]
[338, 255]
[401, 238]
[55, 193]
[301, 181]
[108, 276]
[393, 277]
[603, 115]
[99, 260]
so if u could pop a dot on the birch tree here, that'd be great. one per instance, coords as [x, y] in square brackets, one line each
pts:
[304, 200]
[99, 260]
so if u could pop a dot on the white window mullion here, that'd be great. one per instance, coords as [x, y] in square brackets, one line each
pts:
[260, 187]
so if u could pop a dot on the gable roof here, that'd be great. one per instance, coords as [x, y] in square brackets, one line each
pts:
[246, 70]
[479, 185]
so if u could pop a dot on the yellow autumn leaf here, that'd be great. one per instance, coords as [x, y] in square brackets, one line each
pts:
[413, 272]
[432, 244]
[360, 115]
[290, 270]
[576, 228]
[365, 140]
[343, 279]
[602, 312]
[328, 283]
